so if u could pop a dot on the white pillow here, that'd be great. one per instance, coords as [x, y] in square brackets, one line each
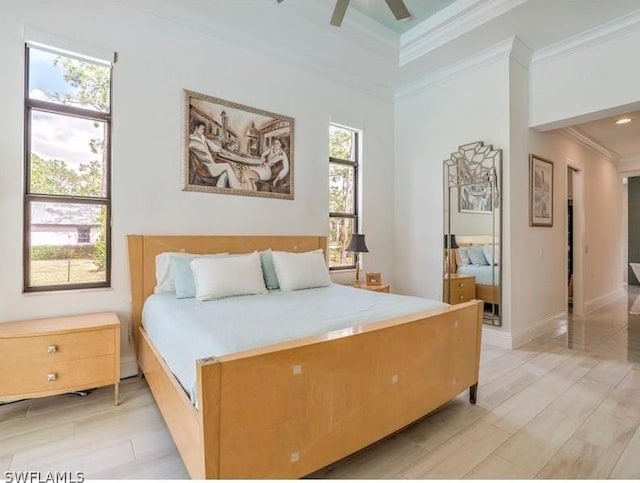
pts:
[462, 256]
[297, 271]
[216, 278]
[164, 277]
[492, 254]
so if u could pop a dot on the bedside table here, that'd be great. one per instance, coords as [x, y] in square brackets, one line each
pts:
[63, 354]
[463, 289]
[374, 288]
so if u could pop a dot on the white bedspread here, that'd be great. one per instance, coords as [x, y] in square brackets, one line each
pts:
[184, 330]
[483, 273]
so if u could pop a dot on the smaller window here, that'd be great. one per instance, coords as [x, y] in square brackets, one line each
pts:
[84, 234]
[343, 194]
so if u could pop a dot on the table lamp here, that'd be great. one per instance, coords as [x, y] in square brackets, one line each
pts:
[357, 246]
[449, 243]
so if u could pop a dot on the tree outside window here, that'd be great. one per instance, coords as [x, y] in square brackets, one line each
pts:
[343, 194]
[67, 171]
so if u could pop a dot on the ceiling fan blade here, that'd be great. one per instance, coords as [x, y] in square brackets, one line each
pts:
[338, 12]
[399, 9]
[280, 1]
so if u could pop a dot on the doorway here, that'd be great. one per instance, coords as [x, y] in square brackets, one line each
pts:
[574, 240]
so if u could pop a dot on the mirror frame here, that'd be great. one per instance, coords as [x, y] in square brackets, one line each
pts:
[475, 164]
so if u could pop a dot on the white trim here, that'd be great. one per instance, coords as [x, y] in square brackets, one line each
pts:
[449, 23]
[600, 34]
[513, 340]
[601, 301]
[629, 166]
[630, 159]
[521, 53]
[591, 144]
[493, 336]
[496, 52]
[68, 47]
[538, 329]
[354, 22]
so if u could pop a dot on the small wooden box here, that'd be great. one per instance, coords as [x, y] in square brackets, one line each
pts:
[374, 278]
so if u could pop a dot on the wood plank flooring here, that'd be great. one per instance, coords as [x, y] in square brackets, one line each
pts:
[564, 406]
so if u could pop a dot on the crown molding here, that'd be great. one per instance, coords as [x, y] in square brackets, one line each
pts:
[600, 34]
[170, 12]
[628, 167]
[521, 53]
[629, 163]
[499, 51]
[356, 25]
[449, 23]
[591, 144]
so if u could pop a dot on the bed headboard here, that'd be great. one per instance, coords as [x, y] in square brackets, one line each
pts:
[144, 248]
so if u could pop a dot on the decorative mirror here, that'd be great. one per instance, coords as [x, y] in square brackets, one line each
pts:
[473, 228]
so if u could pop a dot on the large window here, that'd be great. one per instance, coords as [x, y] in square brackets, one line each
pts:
[67, 201]
[343, 194]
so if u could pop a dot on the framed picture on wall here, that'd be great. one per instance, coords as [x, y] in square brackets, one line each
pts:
[234, 149]
[476, 198]
[540, 191]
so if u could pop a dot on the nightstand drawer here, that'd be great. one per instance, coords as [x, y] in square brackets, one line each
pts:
[465, 289]
[42, 378]
[44, 357]
[462, 289]
[57, 347]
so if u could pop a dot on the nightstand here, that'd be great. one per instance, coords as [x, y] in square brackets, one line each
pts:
[45, 357]
[374, 288]
[463, 289]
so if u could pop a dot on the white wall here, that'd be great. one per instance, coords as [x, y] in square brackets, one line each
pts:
[602, 216]
[469, 223]
[535, 276]
[602, 78]
[492, 104]
[157, 59]
[430, 124]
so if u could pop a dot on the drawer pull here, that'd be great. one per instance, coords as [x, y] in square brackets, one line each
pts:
[52, 377]
[52, 349]
[461, 297]
[461, 285]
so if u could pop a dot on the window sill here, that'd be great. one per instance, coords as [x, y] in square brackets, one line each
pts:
[70, 291]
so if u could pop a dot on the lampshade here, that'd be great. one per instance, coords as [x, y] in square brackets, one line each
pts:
[454, 244]
[357, 244]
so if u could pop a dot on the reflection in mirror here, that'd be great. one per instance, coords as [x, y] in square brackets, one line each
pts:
[472, 228]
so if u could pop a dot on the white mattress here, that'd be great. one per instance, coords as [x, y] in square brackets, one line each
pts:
[184, 330]
[483, 273]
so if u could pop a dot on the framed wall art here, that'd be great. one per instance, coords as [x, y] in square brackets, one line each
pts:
[476, 198]
[234, 149]
[540, 191]
[374, 278]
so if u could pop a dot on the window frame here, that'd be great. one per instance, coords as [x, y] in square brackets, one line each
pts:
[39, 105]
[355, 164]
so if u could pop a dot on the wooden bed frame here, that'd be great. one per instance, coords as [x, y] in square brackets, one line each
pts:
[287, 410]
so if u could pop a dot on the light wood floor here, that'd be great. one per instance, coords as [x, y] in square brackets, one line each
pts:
[565, 406]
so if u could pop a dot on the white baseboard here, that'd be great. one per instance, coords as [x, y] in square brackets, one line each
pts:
[511, 340]
[596, 303]
[495, 336]
[538, 329]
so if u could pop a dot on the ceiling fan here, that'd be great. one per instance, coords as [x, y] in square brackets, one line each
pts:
[398, 8]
